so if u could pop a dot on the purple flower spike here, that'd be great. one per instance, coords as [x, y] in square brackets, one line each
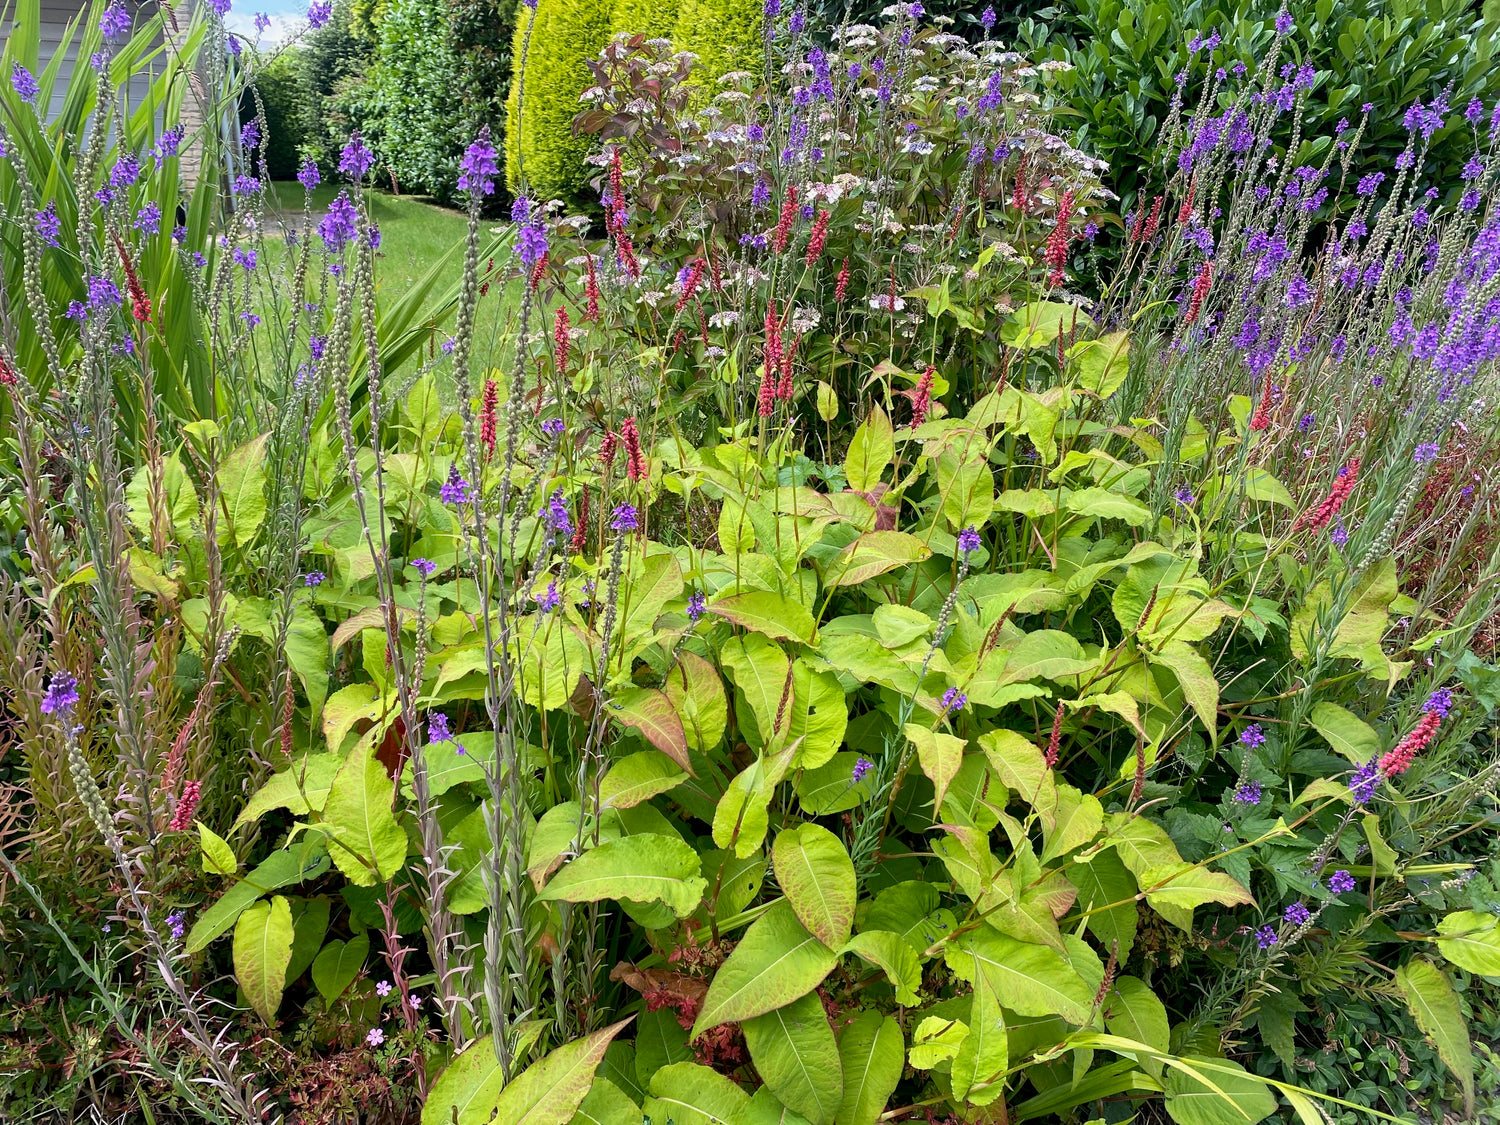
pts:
[1297, 914]
[24, 84]
[318, 14]
[456, 490]
[968, 540]
[438, 729]
[425, 567]
[1364, 781]
[356, 159]
[115, 21]
[62, 694]
[862, 766]
[1265, 937]
[1340, 882]
[314, 578]
[479, 167]
[1440, 701]
[625, 518]
[1248, 794]
[696, 607]
[1252, 736]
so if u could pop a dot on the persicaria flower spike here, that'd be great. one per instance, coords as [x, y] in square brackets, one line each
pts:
[921, 401]
[636, 467]
[788, 217]
[1400, 758]
[561, 340]
[818, 237]
[187, 806]
[488, 410]
[1319, 517]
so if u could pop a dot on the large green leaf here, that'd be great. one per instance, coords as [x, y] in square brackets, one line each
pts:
[302, 788]
[1174, 889]
[637, 778]
[1241, 1099]
[697, 694]
[893, 953]
[688, 1094]
[1030, 980]
[549, 1091]
[870, 450]
[1435, 1007]
[659, 582]
[939, 755]
[242, 492]
[1350, 735]
[1196, 678]
[761, 672]
[872, 554]
[647, 867]
[649, 711]
[768, 613]
[1106, 893]
[337, 965]
[470, 1086]
[795, 1054]
[817, 876]
[1471, 941]
[871, 1052]
[1133, 1011]
[368, 845]
[776, 962]
[984, 1052]
[277, 870]
[607, 1104]
[262, 950]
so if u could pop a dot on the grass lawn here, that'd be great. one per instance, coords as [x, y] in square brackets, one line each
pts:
[415, 236]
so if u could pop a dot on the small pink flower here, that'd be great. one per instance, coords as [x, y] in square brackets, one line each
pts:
[376, 1037]
[383, 988]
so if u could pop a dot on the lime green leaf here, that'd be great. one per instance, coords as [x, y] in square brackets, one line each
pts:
[817, 715]
[1030, 980]
[776, 962]
[688, 1094]
[1435, 1007]
[302, 788]
[1079, 818]
[817, 877]
[1240, 1099]
[828, 402]
[262, 950]
[795, 1054]
[180, 499]
[607, 1104]
[470, 1085]
[641, 868]
[1382, 855]
[651, 712]
[659, 582]
[549, 1091]
[870, 1052]
[966, 487]
[1350, 735]
[771, 614]
[1102, 364]
[894, 954]
[1142, 843]
[874, 553]
[636, 778]
[218, 857]
[870, 450]
[1133, 1011]
[939, 755]
[346, 707]
[1103, 882]
[1039, 323]
[307, 653]
[936, 1040]
[277, 870]
[1101, 503]
[831, 787]
[984, 1052]
[338, 963]
[1471, 941]
[1178, 887]
[1196, 677]
[242, 492]
[697, 695]
[369, 845]
[760, 671]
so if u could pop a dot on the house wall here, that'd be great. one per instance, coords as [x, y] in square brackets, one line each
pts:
[57, 15]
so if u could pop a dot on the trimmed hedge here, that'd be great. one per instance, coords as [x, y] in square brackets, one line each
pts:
[655, 19]
[414, 88]
[565, 35]
[726, 35]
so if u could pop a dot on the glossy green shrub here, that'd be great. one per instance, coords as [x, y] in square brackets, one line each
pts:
[414, 88]
[652, 18]
[552, 46]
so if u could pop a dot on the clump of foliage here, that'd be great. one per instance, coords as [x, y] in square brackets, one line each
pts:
[415, 109]
[832, 669]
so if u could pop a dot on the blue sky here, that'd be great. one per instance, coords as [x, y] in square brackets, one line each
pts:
[287, 18]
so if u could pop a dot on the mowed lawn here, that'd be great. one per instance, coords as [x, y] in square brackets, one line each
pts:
[415, 236]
